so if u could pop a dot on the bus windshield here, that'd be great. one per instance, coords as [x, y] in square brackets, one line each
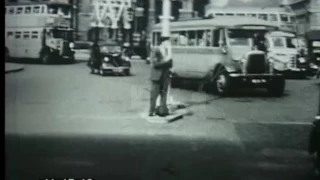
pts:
[240, 37]
[61, 34]
[54, 9]
[284, 42]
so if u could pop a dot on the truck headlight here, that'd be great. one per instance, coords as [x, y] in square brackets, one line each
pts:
[106, 59]
[71, 45]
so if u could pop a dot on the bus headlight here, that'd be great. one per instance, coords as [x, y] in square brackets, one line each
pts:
[106, 59]
[71, 45]
[302, 60]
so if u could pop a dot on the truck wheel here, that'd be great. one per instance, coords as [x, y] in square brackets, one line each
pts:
[277, 87]
[45, 58]
[175, 83]
[222, 84]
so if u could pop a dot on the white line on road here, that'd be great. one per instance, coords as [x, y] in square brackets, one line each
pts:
[272, 122]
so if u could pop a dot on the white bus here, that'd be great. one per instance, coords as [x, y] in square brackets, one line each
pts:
[219, 53]
[285, 51]
[39, 31]
[280, 16]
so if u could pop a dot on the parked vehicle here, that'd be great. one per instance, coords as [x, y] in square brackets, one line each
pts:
[285, 52]
[109, 58]
[219, 53]
[39, 30]
[313, 53]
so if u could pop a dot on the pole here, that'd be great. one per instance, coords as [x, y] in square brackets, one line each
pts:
[165, 33]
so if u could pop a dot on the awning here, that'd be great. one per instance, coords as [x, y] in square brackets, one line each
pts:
[313, 35]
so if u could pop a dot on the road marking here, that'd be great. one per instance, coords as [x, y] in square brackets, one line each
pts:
[272, 122]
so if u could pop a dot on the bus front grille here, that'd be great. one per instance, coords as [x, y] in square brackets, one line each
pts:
[256, 64]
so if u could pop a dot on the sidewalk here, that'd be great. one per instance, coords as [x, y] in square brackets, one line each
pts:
[11, 67]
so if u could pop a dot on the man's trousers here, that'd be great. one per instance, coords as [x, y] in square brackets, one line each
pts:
[159, 88]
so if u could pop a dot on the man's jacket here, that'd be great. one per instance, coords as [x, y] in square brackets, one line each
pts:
[159, 67]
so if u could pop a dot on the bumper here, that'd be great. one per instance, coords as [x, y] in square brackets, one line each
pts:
[259, 80]
[112, 69]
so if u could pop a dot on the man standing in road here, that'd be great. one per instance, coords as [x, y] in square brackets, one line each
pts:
[161, 64]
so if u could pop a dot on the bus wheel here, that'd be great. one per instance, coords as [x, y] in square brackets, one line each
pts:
[45, 58]
[276, 87]
[222, 84]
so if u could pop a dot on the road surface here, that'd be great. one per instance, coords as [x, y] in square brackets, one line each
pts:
[62, 121]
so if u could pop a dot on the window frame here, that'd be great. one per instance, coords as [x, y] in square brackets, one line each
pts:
[18, 35]
[26, 35]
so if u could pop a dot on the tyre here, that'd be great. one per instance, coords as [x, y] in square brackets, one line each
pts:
[127, 72]
[276, 87]
[222, 84]
[101, 72]
[45, 58]
[175, 83]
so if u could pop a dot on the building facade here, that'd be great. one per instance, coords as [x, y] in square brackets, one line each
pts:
[314, 10]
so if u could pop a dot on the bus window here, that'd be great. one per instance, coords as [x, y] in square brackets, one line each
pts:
[174, 39]
[252, 15]
[263, 16]
[18, 35]
[278, 42]
[292, 19]
[183, 39]
[153, 39]
[34, 35]
[26, 35]
[158, 36]
[42, 9]
[219, 14]
[65, 11]
[241, 14]
[229, 14]
[19, 10]
[284, 17]
[27, 10]
[273, 17]
[11, 10]
[36, 10]
[192, 38]
[53, 10]
[5, 10]
[216, 37]
[9, 35]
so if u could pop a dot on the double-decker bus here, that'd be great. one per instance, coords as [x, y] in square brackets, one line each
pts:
[39, 31]
[285, 20]
[221, 54]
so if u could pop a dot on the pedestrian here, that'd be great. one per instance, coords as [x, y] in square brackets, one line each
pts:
[160, 76]
[95, 60]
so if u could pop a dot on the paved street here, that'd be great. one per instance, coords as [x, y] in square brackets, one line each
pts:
[67, 122]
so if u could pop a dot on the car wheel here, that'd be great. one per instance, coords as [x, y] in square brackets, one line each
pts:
[127, 72]
[101, 72]
[223, 84]
[277, 87]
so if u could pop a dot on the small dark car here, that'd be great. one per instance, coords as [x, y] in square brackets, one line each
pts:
[109, 58]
